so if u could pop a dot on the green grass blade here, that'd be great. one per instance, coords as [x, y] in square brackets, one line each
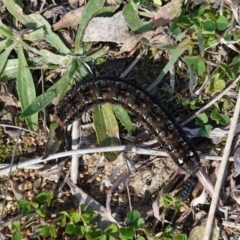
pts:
[10, 70]
[36, 21]
[4, 57]
[174, 57]
[123, 117]
[92, 7]
[58, 89]
[106, 128]
[26, 88]
[130, 13]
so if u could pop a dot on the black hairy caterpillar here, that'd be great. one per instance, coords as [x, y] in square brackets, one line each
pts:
[169, 134]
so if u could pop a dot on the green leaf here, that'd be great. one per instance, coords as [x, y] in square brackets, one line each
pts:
[209, 26]
[43, 230]
[41, 211]
[16, 225]
[123, 117]
[228, 104]
[36, 21]
[75, 217]
[89, 215]
[26, 88]
[95, 234]
[222, 23]
[70, 229]
[59, 88]
[44, 197]
[174, 57]
[216, 85]
[126, 233]
[201, 119]
[91, 8]
[17, 235]
[130, 13]
[133, 215]
[205, 130]
[4, 57]
[112, 228]
[219, 118]
[21, 203]
[9, 71]
[175, 29]
[106, 128]
[26, 209]
[201, 42]
[34, 204]
[52, 231]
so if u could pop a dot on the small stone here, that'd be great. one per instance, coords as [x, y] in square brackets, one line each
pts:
[37, 182]
[1, 208]
[26, 185]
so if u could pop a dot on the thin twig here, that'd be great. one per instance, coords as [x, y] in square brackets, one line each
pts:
[211, 102]
[20, 128]
[30, 163]
[9, 175]
[222, 170]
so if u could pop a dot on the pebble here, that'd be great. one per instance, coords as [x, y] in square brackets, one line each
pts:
[26, 185]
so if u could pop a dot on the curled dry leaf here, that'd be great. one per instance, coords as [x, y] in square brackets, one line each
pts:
[70, 19]
[167, 13]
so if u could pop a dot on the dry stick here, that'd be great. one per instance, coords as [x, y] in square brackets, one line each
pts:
[222, 170]
[211, 102]
[9, 175]
[20, 128]
[4, 168]
[76, 129]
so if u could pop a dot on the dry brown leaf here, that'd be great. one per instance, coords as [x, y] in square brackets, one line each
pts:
[167, 13]
[70, 19]
[9, 100]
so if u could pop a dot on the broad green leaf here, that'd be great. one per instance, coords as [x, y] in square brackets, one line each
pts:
[134, 219]
[92, 7]
[89, 215]
[35, 35]
[75, 217]
[112, 228]
[205, 130]
[175, 29]
[43, 230]
[44, 197]
[126, 233]
[16, 225]
[201, 119]
[222, 23]
[219, 118]
[36, 21]
[17, 236]
[199, 67]
[130, 14]
[106, 128]
[123, 117]
[52, 231]
[216, 85]
[26, 88]
[26, 209]
[173, 58]
[41, 211]
[95, 234]
[58, 89]
[209, 26]
[21, 203]
[4, 57]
